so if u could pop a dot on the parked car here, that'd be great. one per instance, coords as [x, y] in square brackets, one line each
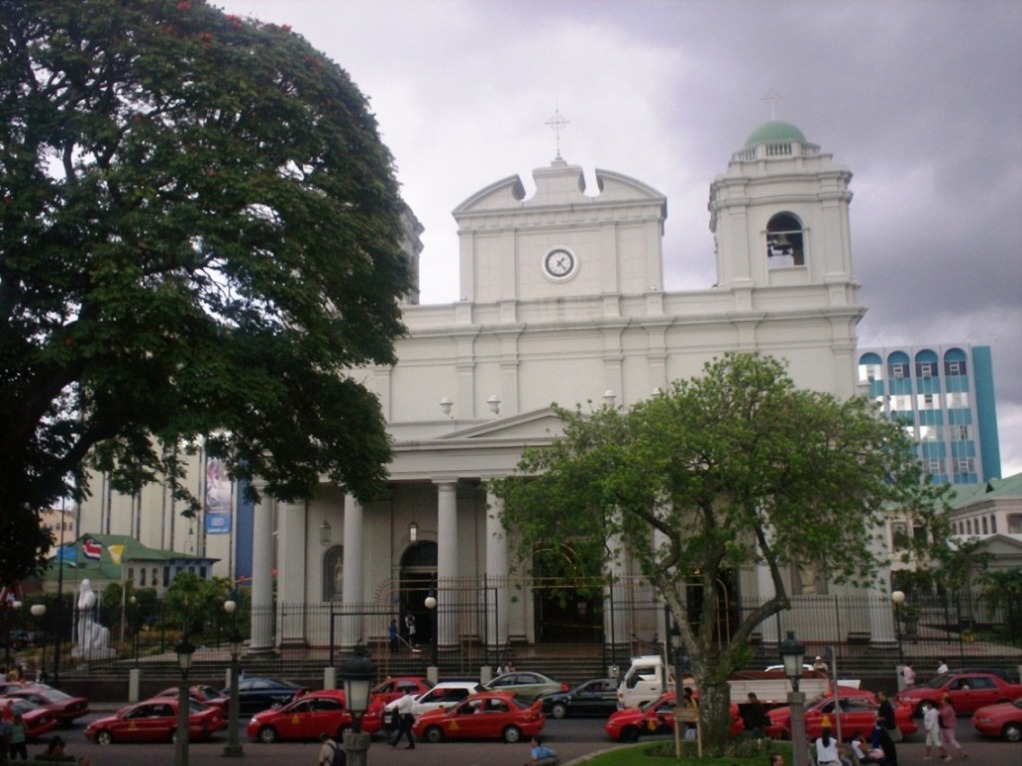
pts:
[444, 694]
[397, 686]
[968, 691]
[1001, 673]
[207, 695]
[38, 721]
[309, 716]
[483, 715]
[154, 720]
[256, 694]
[1003, 720]
[63, 707]
[856, 709]
[527, 683]
[597, 696]
[656, 717]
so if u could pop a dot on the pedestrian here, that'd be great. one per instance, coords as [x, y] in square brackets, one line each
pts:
[885, 712]
[882, 742]
[948, 722]
[754, 717]
[392, 633]
[17, 736]
[776, 759]
[405, 719]
[688, 700]
[540, 751]
[931, 723]
[331, 753]
[826, 749]
[941, 668]
[410, 628]
[908, 674]
[821, 667]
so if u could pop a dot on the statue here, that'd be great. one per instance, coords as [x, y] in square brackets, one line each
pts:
[93, 638]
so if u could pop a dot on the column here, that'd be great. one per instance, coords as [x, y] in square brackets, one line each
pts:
[291, 545]
[352, 598]
[447, 560]
[499, 597]
[262, 576]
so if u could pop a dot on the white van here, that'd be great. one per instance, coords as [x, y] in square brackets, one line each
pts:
[645, 680]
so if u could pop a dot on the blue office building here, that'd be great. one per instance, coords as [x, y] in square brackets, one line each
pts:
[945, 394]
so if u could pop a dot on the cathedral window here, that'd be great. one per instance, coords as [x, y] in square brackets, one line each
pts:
[784, 238]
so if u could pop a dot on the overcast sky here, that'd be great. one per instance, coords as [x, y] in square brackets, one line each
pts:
[921, 100]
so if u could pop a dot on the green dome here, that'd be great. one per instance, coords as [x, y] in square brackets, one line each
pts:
[775, 131]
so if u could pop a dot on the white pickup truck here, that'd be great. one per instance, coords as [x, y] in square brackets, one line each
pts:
[648, 677]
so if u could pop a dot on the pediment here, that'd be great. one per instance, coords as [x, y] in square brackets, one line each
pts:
[534, 426]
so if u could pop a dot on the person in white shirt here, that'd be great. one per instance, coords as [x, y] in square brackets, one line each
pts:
[329, 751]
[826, 749]
[931, 723]
[942, 668]
[403, 708]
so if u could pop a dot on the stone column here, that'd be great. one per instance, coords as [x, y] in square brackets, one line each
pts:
[499, 597]
[352, 600]
[447, 560]
[262, 576]
[291, 593]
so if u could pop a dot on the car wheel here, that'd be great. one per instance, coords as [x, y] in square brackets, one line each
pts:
[173, 736]
[434, 734]
[1012, 732]
[512, 734]
[268, 735]
[558, 710]
[104, 738]
[629, 734]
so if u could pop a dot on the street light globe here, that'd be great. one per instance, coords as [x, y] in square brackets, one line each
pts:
[430, 602]
[898, 597]
[230, 606]
[38, 610]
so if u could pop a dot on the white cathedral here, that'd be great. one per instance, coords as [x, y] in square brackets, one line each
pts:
[563, 301]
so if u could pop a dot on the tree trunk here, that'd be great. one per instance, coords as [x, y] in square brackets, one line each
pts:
[715, 714]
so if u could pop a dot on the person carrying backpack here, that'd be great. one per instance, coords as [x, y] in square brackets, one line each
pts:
[331, 753]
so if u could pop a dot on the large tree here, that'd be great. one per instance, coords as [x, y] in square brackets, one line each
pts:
[722, 472]
[199, 233]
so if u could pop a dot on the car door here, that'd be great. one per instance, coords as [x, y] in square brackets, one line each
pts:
[148, 722]
[296, 720]
[496, 714]
[464, 721]
[969, 693]
[595, 697]
[857, 714]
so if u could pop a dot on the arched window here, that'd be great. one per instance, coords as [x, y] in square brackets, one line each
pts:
[785, 241]
[333, 573]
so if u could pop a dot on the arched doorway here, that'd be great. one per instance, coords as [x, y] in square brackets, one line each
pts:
[567, 609]
[417, 578]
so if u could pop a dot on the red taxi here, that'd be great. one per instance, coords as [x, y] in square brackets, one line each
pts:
[856, 709]
[968, 691]
[656, 717]
[37, 720]
[63, 707]
[309, 716]
[154, 720]
[1003, 720]
[483, 715]
[396, 687]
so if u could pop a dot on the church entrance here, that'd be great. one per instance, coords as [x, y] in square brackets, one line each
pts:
[569, 609]
[418, 578]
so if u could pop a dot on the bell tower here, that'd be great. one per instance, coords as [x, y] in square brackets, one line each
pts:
[779, 216]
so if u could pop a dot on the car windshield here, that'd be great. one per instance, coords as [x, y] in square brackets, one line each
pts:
[939, 681]
[521, 701]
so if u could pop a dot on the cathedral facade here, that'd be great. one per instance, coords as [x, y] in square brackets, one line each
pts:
[562, 301]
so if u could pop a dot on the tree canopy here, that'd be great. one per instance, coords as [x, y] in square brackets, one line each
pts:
[728, 470]
[199, 234]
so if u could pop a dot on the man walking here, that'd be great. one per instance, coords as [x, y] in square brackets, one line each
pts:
[405, 719]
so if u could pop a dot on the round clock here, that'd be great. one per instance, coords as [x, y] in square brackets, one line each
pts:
[559, 263]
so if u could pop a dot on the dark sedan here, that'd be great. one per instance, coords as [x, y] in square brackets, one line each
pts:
[596, 697]
[258, 694]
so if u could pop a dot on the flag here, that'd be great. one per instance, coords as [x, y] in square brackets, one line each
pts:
[92, 549]
[67, 553]
[116, 551]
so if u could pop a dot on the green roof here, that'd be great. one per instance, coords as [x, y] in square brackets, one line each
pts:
[775, 131]
[967, 494]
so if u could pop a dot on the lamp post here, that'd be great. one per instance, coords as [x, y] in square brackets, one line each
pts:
[39, 611]
[357, 673]
[793, 655]
[10, 609]
[233, 747]
[898, 597]
[431, 604]
[184, 651]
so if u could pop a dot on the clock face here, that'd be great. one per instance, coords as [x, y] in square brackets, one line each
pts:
[559, 263]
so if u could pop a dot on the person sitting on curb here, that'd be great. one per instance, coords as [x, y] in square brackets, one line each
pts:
[542, 754]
